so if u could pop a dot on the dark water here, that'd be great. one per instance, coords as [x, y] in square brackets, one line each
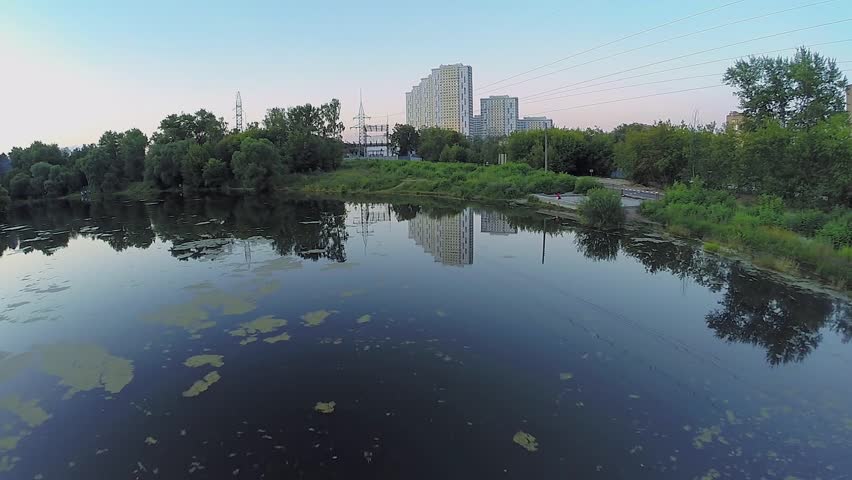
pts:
[624, 356]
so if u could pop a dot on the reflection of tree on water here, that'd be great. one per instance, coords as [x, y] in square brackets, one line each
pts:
[786, 322]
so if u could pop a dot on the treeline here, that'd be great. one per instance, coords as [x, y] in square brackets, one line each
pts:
[189, 151]
[794, 140]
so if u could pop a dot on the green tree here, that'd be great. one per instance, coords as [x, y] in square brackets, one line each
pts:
[131, 152]
[405, 139]
[192, 165]
[434, 139]
[257, 165]
[215, 173]
[797, 92]
[163, 163]
[5, 202]
[19, 186]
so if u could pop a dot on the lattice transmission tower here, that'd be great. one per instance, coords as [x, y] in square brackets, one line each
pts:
[371, 135]
[239, 112]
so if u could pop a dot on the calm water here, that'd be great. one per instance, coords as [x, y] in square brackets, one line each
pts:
[148, 340]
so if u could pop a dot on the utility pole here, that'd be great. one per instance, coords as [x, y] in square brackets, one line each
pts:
[545, 148]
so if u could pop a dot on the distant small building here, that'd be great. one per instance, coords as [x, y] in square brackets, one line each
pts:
[735, 120]
[534, 123]
[476, 126]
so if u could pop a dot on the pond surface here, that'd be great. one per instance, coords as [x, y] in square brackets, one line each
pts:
[257, 338]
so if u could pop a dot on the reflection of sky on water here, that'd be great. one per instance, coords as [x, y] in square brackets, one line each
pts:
[657, 335]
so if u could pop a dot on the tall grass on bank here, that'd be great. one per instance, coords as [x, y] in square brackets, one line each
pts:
[461, 180]
[810, 240]
[602, 209]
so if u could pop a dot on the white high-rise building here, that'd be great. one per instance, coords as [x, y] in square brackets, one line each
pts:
[499, 115]
[534, 123]
[443, 99]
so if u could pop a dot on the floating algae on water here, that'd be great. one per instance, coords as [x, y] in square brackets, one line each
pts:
[313, 319]
[230, 304]
[248, 340]
[363, 319]
[29, 412]
[189, 317]
[339, 266]
[324, 407]
[526, 440]
[150, 441]
[265, 324]
[566, 376]
[278, 338]
[201, 386]
[201, 360]
[352, 293]
[9, 443]
[85, 367]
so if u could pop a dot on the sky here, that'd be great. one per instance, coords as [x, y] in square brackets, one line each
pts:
[72, 70]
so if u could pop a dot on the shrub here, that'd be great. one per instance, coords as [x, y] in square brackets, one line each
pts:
[602, 209]
[837, 232]
[584, 184]
[805, 222]
[712, 247]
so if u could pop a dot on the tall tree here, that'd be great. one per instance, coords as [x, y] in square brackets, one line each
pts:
[405, 138]
[797, 92]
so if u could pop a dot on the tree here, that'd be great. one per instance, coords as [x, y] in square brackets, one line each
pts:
[5, 202]
[19, 186]
[192, 165]
[405, 139]
[434, 139]
[163, 163]
[797, 92]
[257, 165]
[215, 173]
[131, 152]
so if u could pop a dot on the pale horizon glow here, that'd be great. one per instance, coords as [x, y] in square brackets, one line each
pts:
[72, 72]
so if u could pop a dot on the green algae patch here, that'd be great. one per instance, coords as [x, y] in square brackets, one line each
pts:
[150, 441]
[29, 412]
[278, 265]
[711, 474]
[8, 463]
[314, 319]
[11, 366]
[189, 317]
[9, 443]
[706, 436]
[363, 319]
[440, 313]
[339, 266]
[566, 376]
[278, 338]
[248, 340]
[352, 293]
[323, 407]
[526, 440]
[85, 367]
[201, 386]
[265, 324]
[202, 360]
[228, 303]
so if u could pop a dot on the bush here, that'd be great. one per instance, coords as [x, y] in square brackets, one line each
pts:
[584, 184]
[20, 185]
[712, 247]
[837, 232]
[602, 209]
[805, 222]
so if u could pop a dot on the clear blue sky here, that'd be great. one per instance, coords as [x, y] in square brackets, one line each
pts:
[74, 69]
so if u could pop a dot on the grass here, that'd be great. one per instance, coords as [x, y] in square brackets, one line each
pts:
[776, 238]
[458, 180]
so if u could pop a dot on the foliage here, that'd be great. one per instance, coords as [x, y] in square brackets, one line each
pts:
[797, 92]
[257, 165]
[405, 139]
[434, 140]
[602, 208]
[577, 152]
[461, 180]
[584, 184]
[820, 241]
[200, 127]
[5, 201]
[163, 163]
[215, 173]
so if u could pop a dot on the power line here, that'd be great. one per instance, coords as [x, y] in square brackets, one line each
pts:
[627, 86]
[662, 25]
[628, 99]
[691, 55]
[541, 99]
[661, 42]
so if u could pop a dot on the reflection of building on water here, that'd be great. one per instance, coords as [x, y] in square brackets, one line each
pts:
[449, 239]
[365, 215]
[496, 224]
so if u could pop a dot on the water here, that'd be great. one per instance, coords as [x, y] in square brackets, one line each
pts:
[441, 332]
